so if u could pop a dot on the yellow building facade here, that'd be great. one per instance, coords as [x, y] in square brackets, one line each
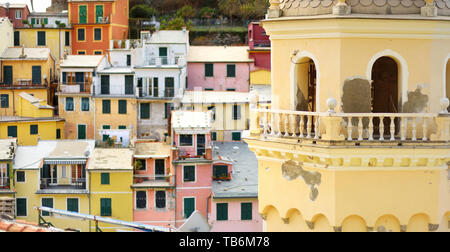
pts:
[111, 174]
[358, 135]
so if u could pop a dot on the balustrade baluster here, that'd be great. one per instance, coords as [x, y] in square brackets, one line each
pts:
[392, 129]
[424, 127]
[403, 123]
[302, 125]
[370, 128]
[349, 128]
[286, 124]
[279, 122]
[316, 128]
[272, 124]
[293, 124]
[266, 124]
[414, 138]
[360, 129]
[381, 128]
[308, 127]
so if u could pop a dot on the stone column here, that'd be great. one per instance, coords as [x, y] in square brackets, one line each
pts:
[429, 10]
[341, 8]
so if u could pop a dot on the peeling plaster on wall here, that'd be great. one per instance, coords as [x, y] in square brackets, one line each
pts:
[433, 227]
[417, 102]
[291, 170]
[356, 96]
[403, 228]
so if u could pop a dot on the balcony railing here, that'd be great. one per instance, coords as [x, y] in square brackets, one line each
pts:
[125, 44]
[4, 184]
[162, 61]
[143, 93]
[75, 88]
[23, 83]
[52, 183]
[145, 180]
[380, 127]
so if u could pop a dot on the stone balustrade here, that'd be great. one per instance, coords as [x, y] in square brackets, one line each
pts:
[332, 126]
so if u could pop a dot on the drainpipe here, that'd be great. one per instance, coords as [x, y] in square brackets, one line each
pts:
[89, 198]
[207, 207]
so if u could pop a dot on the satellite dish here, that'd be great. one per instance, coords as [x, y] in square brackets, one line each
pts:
[87, 153]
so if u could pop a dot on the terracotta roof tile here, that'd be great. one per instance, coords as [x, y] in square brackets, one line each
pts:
[21, 226]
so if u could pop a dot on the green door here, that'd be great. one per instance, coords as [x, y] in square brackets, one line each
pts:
[189, 207]
[104, 84]
[105, 207]
[16, 38]
[8, 75]
[81, 131]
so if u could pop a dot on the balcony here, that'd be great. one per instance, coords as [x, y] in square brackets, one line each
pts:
[53, 185]
[23, 83]
[145, 93]
[165, 61]
[75, 88]
[5, 184]
[189, 154]
[125, 44]
[355, 128]
[153, 181]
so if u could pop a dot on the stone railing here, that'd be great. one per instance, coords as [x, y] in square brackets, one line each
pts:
[332, 126]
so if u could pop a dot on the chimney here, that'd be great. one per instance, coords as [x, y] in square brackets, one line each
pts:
[23, 52]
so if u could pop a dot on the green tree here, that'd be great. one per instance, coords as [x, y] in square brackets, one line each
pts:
[175, 24]
[207, 12]
[229, 8]
[142, 11]
[186, 12]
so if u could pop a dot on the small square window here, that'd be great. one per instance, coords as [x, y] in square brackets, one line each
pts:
[81, 35]
[222, 211]
[20, 176]
[105, 178]
[231, 70]
[97, 34]
[33, 129]
[185, 140]
[189, 173]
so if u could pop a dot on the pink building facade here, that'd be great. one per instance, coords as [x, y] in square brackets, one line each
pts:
[216, 68]
[236, 220]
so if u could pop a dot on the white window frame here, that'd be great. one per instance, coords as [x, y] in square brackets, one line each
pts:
[195, 169]
[18, 16]
[3, 172]
[24, 176]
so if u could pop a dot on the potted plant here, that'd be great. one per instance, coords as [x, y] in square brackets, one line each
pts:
[25, 22]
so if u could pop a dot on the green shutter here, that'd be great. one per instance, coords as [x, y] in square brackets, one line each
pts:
[36, 75]
[41, 38]
[129, 79]
[145, 110]
[236, 136]
[222, 211]
[33, 129]
[97, 34]
[122, 106]
[69, 103]
[17, 38]
[104, 84]
[72, 205]
[214, 136]
[246, 211]
[4, 100]
[82, 15]
[47, 202]
[105, 178]
[81, 131]
[122, 127]
[189, 207]
[209, 70]
[98, 12]
[45, 20]
[21, 205]
[189, 173]
[84, 104]
[8, 74]
[106, 106]
[12, 131]
[231, 70]
[105, 207]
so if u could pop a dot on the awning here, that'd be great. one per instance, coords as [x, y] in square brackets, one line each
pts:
[65, 161]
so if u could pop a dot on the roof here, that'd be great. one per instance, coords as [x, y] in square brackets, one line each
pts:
[6, 152]
[24, 226]
[30, 119]
[111, 159]
[30, 157]
[214, 97]
[13, 5]
[169, 37]
[34, 101]
[41, 53]
[72, 149]
[186, 120]
[244, 177]
[82, 61]
[218, 54]
[151, 150]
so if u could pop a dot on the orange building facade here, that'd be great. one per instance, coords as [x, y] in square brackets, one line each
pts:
[95, 23]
